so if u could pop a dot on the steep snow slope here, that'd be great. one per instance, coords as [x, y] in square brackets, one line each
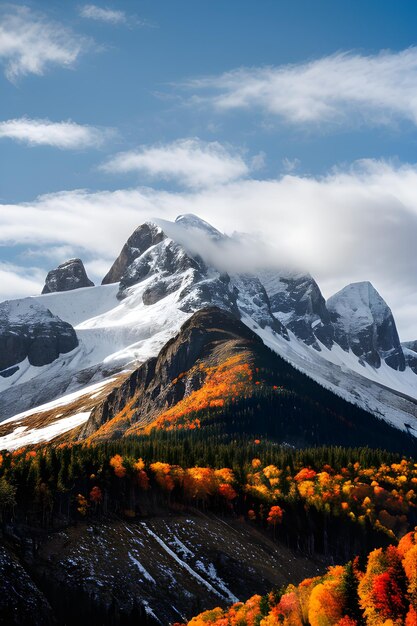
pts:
[386, 393]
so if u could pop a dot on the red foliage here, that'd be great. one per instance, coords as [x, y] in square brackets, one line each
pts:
[305, 474]
[227, 491]
[275, 515]
[387, 596]
[96, 495]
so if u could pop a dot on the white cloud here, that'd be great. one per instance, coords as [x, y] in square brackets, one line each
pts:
[111, 16]
[192, 162]
[343, 88]
[30, 43]
[354, 224]
[66, 135]
[19, 282]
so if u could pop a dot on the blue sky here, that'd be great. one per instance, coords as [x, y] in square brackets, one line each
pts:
[292, 120]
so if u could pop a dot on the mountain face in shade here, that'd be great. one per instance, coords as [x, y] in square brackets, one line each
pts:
[296, 300]
[66, 277]
[410, 354]
[29, 330]
[363, 323]
[218, 371]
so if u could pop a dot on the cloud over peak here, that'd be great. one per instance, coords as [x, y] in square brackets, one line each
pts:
[343, 88]
[190, 162]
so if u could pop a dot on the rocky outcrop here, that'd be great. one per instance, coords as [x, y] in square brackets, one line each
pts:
[66, 277]
[142, 239]
[410, 354]
[29, 330]
[254, 302]
[296, 300]
[363, 323]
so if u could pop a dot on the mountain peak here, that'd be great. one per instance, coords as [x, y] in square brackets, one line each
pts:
[142, 238]
[364, 323]
[190, 221]
[67, 276]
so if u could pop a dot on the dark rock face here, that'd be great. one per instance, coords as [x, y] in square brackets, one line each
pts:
[28, 329]
[208, 334]
[363, 322]
[144, 237]
[66, 277]
[296, 300]
[21, 602]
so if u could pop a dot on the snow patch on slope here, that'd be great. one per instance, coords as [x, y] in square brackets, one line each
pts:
[22, 437]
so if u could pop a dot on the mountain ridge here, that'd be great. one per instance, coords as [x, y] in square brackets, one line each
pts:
[156, 284]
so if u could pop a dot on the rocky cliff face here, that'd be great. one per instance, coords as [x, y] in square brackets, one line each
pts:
[297, 302]
[363, 323]
[29, 330]
[142, 239]
[67, 276]
[410, 354]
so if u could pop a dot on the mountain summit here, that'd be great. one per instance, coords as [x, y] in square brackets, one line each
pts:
[363, 323]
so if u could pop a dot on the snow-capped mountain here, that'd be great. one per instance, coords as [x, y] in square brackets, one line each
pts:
[363, 323]
[349, 344]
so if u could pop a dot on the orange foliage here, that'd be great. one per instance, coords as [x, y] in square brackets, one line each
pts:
[229, 379]
[82, 504]
[116, 462]
[321, 601]
[275, 515]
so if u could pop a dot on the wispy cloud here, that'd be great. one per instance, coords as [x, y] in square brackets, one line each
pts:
[100, 14]
[344, 88]
[30, 43]
[190, 162]
[65, 135]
